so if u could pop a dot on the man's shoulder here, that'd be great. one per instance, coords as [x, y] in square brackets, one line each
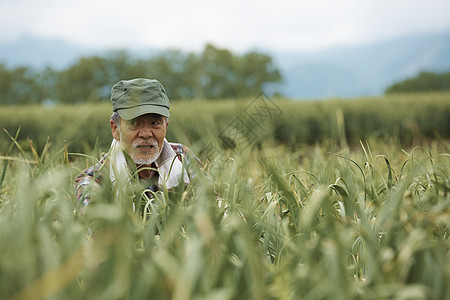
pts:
[177, 147]
[180, 148]
[93, 171]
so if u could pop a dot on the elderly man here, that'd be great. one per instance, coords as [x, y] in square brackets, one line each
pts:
[138, 125]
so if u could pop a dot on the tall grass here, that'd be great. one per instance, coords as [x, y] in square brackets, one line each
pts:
[408, 120]
[320, 222]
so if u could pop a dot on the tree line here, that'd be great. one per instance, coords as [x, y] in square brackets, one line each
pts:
[423, 82]
[211, 74]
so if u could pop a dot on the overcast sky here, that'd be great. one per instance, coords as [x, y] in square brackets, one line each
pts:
[236, 24]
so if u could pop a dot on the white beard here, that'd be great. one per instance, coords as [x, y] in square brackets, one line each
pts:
[148, 160]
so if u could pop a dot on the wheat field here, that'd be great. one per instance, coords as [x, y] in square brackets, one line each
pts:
[262, 219]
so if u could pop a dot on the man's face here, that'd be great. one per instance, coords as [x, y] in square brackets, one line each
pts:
[142, 137]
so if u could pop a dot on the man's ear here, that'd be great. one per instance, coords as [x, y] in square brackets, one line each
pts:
[115, 130]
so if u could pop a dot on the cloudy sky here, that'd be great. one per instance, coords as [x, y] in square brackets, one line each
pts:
[236, 24]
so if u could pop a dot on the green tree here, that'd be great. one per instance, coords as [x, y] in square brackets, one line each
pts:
[83, 81]
[424, 82]
[217, 73]
[256, 70]
[176, 71]
[222, 74]
[91, 78]
[214, 73]
[121, 65]
[47, 80]
[18, 86]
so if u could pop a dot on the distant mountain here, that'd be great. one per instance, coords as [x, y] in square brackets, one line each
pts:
[338, 72]
[56, 53]
[362, 70]
[38, 53]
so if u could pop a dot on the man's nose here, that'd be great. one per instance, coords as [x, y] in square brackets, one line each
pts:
[145, 132]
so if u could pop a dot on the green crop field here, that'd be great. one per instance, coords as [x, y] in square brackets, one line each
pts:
[406, 120]
[336, 199]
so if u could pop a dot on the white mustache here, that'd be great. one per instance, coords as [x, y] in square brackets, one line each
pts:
[145, 143]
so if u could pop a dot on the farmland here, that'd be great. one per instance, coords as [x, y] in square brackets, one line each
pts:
[404, 120]
[336, 199]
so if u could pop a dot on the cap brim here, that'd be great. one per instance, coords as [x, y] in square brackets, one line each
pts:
[134, 112]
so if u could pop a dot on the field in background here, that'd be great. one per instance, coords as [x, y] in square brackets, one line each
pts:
[407, 120]
[290, 205]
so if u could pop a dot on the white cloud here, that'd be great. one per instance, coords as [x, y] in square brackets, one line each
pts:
[238, 24]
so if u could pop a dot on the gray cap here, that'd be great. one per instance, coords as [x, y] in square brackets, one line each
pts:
[135, 97]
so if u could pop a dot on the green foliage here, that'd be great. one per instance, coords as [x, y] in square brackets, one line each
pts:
[19, 86]
[424, 82]
[90, 79]
[221, 74]
[317, 223]
[58, 124]
[212, 74]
